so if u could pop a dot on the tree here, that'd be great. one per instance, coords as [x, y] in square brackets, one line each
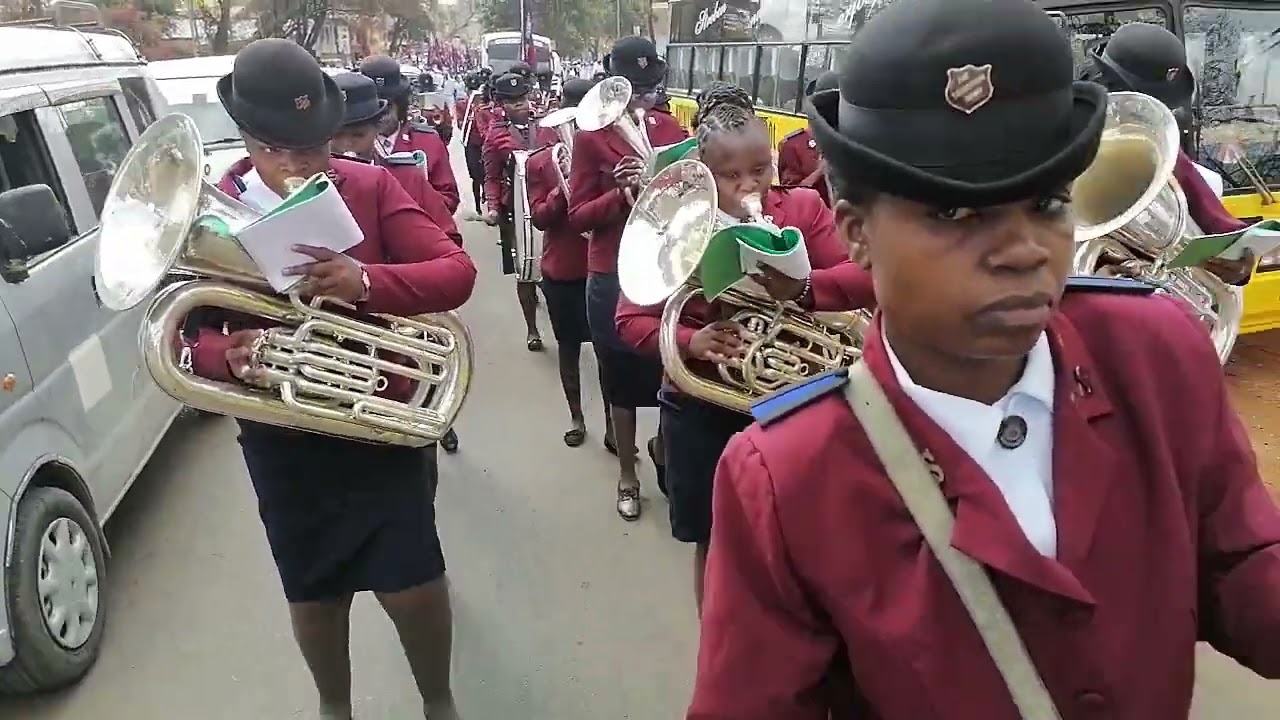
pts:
[573, 25]
[214, 17]
[412, 20]
[301, 20]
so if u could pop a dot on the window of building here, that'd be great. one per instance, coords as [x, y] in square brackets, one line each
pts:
[98, 141]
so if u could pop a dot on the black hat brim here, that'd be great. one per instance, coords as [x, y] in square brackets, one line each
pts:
[1053, 169]
[650, 77]
[1174, 94]
[282, 129]
[362, 116]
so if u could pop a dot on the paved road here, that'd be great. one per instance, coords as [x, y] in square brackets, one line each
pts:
[563, 611]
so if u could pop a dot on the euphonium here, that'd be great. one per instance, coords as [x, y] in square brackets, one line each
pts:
[662, 246]
[1130, 210]
[608, 103]
[562, 121]
[322, 367]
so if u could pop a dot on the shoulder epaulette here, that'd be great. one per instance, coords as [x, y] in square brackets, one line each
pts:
[1122, 286]
[423, 128]
[775, 406]
[406, 157]
[793, 133]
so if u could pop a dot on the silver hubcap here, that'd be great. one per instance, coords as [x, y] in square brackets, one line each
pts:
[68, 583]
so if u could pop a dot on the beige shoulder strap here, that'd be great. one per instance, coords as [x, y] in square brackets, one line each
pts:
[928, 506]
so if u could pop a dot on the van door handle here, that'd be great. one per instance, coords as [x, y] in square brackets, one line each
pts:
[93, 287]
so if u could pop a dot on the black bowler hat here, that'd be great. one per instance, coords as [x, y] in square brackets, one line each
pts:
[829, 80]
[521, 68]
[636, 59]
[1148, 59]
[278, 93]
[574, 90]
[385, 73]
[959, 103]
[360, 97]
[511, 86]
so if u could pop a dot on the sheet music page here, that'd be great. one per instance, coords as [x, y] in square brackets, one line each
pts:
[314, 215]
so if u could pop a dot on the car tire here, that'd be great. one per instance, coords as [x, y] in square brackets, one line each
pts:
[44, 662]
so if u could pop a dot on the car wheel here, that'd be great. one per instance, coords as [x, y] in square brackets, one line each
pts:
[56, 593]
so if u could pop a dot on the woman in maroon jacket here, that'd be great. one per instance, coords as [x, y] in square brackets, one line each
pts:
[564, 271]
[605, 177]
[341, 516]
[734, 144]
[1149, 59]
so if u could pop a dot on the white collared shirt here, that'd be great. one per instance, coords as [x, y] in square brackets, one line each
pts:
[257, 195]
[1024, 475]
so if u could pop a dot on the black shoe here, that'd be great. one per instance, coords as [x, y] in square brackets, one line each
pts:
[659, 467]
[450, 442]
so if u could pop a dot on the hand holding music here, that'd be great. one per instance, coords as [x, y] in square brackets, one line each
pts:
[628, 173]
[779, 286]
[240, 356]
[332, 274]
[718, 342]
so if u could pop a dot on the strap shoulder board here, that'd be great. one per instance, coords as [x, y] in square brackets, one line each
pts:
[793, 133]
[1122, 286]
[422, 128]
[775, 406]
[406, 157]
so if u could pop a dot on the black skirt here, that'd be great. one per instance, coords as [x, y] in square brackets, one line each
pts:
[567, 308]
[475, 162]
[629, 380]
[507, 239]
[343, 516]
[694, 434]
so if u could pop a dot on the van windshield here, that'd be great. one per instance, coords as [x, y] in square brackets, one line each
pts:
[1234, 54]
[197, 98]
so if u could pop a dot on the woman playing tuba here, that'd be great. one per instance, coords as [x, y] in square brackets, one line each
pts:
[733, 143]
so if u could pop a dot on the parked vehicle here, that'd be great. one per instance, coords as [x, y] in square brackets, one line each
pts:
[79, 415]
[190, 86]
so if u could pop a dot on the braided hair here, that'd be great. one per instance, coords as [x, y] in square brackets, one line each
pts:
[722, 108]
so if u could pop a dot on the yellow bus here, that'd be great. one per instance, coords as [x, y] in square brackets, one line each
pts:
[775, 48]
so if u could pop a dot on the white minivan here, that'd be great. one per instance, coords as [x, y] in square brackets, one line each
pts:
[190, 86]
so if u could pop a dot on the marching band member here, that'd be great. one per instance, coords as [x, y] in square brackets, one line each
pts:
[1151, 60]
[356, 139]
[564, 272]
[341, 516]
[399, 134]
[799, 162]
[733, 142]
[514, 132]
[604, 179]
[1117, 526]
[482, 116]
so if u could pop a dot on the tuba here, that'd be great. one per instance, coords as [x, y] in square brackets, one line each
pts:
[322, 367]
[607, 104]
[528, 244]
[662, 246]
[562, 121]
[1130, 211]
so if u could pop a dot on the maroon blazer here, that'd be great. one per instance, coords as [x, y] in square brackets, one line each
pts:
[439, 170]
[798, 158]
[1166, 536]
[596, 204]
[836, 282]
[564, 252]
[413, 178]
[499, 143]
[413, 266]
[1203, 203]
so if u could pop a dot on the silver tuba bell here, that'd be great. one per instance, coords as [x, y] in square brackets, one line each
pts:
[1130, 211]
[563, 121]
[323, 368]
[662, 247]
[528, 241]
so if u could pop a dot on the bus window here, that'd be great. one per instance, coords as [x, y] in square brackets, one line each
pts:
[706, 66]
[1088, 30]
[740, 65]
[816, 62]
[1235, 55]
[779, 77]
[679, 62]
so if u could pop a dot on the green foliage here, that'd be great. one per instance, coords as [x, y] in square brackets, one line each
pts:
[574, 25]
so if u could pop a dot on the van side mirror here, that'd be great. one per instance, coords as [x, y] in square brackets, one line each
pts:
[32, 222]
